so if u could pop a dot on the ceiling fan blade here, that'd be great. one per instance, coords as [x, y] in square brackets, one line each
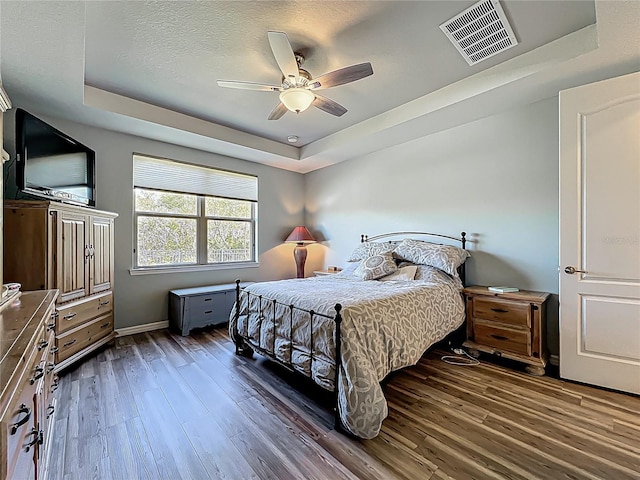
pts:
[283, 52]
[329, 106]
[249, 86]
[342, 76]
[278, 112]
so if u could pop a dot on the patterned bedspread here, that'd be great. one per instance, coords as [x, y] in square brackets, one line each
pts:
[386, 326]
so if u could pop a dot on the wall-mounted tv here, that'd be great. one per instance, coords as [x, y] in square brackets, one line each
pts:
[51, 164]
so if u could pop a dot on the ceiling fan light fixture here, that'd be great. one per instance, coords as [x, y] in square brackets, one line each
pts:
[297, 99]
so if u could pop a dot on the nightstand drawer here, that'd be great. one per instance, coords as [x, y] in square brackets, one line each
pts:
[507, 339]
[503, 311]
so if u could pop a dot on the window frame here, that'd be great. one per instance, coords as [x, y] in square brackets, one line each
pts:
[202, 253]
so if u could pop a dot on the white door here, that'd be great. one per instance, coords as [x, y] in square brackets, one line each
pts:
[600, 233]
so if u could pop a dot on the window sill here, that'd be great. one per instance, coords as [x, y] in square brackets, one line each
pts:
[191, 268]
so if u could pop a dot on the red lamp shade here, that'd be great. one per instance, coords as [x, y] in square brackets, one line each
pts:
[300, 236]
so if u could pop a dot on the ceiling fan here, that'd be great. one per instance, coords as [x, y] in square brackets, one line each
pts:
[298, 88]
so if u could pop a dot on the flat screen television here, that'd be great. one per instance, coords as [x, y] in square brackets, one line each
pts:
[51, 164]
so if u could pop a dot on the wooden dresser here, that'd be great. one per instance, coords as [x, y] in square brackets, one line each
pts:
[510, 325]
[27, 380]
[68, 248]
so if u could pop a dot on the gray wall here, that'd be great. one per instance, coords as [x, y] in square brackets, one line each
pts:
[143, 299]
[495, 178]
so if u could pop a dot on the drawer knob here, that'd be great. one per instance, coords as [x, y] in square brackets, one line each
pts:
[27, 415]
[499, 337]
[68, 344]
[499, 310]
[69, 316]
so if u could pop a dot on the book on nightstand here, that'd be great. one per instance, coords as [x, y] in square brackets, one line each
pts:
[503, 289]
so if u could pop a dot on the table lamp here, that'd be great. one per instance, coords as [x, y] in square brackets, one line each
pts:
[300, 236]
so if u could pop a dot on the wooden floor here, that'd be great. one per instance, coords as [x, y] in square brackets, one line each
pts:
[160, 406]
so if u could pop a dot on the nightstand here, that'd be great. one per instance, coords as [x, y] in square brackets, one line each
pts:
[320, 273]
[510, 325]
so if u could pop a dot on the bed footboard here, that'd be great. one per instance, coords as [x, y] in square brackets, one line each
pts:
[244, 347]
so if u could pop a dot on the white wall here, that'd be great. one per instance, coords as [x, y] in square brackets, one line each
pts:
[144, 299]
[495, 178]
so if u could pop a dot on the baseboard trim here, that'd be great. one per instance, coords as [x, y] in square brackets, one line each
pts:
[554, 360]
[147, 327]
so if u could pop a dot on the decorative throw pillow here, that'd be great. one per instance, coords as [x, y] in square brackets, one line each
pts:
[405, 274]
[368, 249]
[377, 266]
[445, 257]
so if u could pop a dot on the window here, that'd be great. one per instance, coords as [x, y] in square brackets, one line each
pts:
[186, 215]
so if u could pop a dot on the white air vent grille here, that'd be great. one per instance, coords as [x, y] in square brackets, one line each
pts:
[480, 32]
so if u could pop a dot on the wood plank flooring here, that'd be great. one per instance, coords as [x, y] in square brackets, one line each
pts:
[161, 406]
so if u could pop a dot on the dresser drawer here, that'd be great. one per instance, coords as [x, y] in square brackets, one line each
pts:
[210, 309]
[507, 339]
[75, 340]
[70, 315]
[19, 420]
[503, 311]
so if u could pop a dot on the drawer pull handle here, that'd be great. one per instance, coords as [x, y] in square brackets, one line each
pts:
[499, 310]
[208, 299]
[50, 367]
[36, 439]
[54, 350]
[51, 326]
[50, 410]
[54, 385]
[499, 337]
[69, 316]
[42, 344]
[27, 415]
[106, 302]
[55, 314]
[208, 312]
[68, 344]
[39, 373]
[105, 325]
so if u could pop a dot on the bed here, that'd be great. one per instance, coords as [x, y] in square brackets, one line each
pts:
[351, 331]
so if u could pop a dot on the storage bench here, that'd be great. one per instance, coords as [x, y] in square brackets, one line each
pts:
[201, 306]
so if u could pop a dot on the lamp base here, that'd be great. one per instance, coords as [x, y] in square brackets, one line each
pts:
[300, 254]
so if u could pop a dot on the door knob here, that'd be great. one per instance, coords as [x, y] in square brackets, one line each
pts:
[571, 270]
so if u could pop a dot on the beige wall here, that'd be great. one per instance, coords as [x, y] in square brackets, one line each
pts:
[495, 178]
[144, 299]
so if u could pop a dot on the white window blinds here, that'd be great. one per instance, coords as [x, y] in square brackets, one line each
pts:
[161, 174]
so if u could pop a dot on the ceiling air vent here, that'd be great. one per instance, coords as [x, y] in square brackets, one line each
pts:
[480, 32]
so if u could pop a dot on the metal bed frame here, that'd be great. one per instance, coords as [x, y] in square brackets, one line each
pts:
[245, 347]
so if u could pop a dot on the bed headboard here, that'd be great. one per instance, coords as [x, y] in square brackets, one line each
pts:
[462, 239]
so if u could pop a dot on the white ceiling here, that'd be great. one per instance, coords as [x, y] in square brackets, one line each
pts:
[150, 68]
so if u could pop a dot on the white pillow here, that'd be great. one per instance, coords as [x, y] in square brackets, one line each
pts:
[445, 257]
[377, 266]
[368, 249]
[349, 270]
[404, 274]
